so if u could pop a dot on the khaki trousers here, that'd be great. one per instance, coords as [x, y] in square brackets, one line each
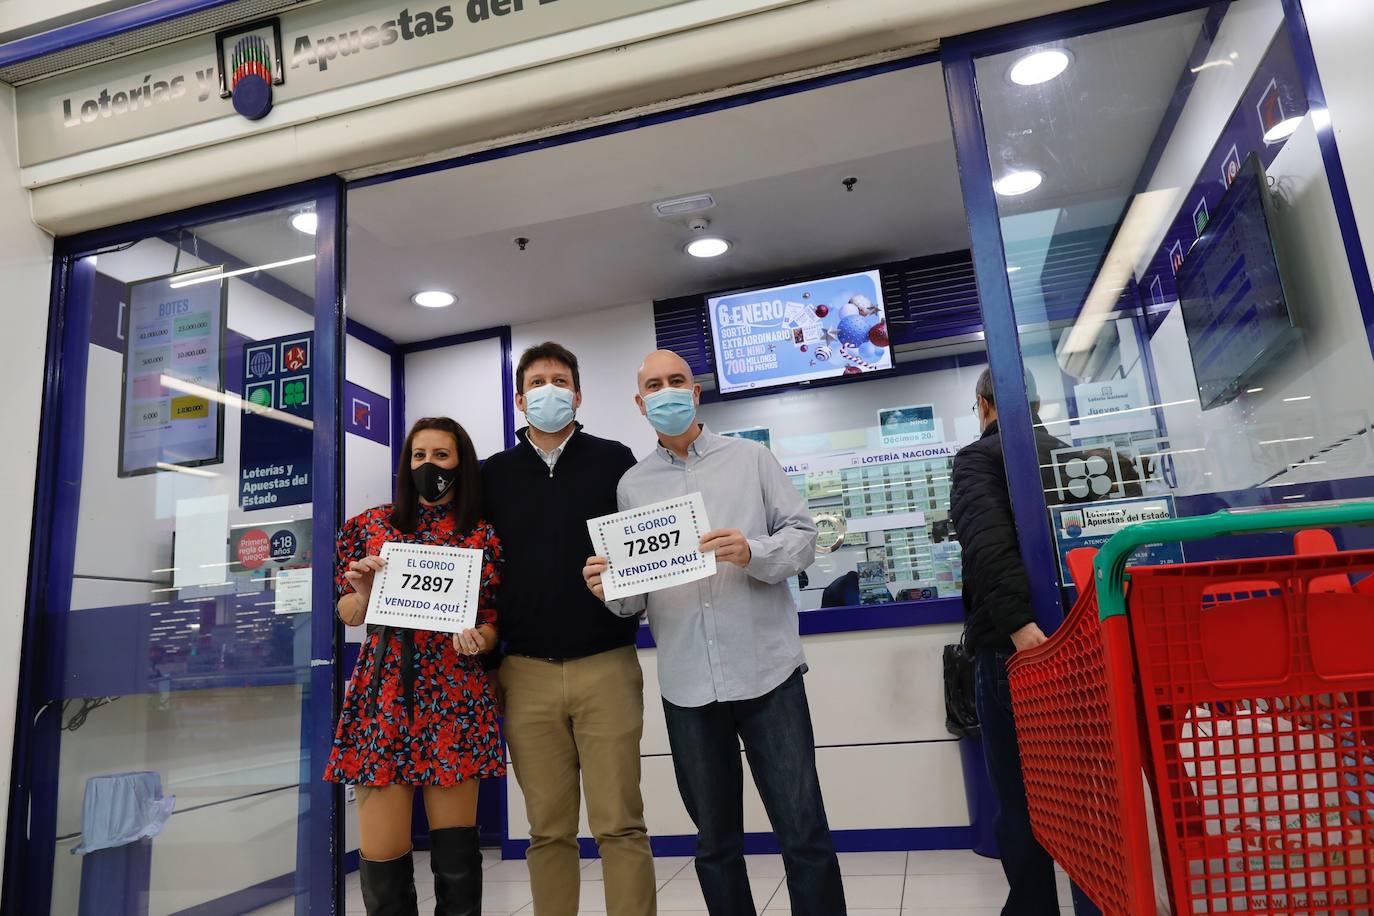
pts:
[581, 717]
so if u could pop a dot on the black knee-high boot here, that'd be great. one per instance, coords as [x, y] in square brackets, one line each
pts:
[389, 887]
[455, 855]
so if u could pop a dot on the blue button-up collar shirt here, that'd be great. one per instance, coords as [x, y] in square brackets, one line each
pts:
[733, 636]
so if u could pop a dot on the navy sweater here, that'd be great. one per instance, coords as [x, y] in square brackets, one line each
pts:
[545, 608]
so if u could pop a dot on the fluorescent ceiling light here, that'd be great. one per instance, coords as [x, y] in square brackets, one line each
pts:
[1013, 184]
[1040, 67]
[224, 275]
[433, 299]
[709, 247]
[1282, 130]
[1136, 236]
[307, 221]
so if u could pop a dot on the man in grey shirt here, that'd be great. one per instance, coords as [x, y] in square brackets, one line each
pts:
[730, 660]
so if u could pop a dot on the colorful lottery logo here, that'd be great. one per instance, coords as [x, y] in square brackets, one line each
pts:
[293, 358]
[260, 395]
[294, 393]
[250, 82]
[254, 549]
[1230, 167]
[260, 362]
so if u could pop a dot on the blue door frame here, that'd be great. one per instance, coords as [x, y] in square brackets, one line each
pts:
[30, 849]
[28, 864]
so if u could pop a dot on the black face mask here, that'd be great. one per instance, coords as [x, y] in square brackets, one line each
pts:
[432, 481]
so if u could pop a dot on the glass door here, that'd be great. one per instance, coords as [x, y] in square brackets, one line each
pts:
[185, 651]
[1188, 293]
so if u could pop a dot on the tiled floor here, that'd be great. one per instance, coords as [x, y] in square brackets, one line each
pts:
[887, 883]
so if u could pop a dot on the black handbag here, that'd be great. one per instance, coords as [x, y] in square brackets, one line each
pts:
[961, 711]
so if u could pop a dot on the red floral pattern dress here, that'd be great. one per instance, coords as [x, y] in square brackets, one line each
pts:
[445, 732]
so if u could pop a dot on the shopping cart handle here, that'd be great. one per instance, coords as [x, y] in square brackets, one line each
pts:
[1109, 569]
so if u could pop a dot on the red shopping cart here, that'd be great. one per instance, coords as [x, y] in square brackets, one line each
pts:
[1231, 711]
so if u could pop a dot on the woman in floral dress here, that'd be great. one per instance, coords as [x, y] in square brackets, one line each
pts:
[419, 710]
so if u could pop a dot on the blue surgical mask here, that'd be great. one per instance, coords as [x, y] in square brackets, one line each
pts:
[671, 411]
[549, 408]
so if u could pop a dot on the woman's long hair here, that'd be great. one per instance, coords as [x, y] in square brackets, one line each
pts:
[467, 491]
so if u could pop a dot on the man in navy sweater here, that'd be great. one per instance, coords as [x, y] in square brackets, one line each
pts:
[574, 692]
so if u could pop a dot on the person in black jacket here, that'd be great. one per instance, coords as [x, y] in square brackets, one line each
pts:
[998, 621]
[574, 692]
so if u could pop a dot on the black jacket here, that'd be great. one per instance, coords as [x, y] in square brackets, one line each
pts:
[545, 609]
[996, 586]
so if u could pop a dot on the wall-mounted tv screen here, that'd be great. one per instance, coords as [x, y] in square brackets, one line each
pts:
[1230, 289]
[802, 332]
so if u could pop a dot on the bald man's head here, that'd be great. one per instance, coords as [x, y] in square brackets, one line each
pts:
[664, 369]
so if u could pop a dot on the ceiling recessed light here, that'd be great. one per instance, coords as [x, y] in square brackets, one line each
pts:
[1282, 130]
[1015, 183]
[1013, 269]
[708, 247]
[433, 299]
[1039, 67]
[306, 221]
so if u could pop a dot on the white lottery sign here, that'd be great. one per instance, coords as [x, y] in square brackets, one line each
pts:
[425, 587]
[653, 547]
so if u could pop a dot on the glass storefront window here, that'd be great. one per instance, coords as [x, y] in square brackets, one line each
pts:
[1179, 276]
[872, 458]
[182, 662]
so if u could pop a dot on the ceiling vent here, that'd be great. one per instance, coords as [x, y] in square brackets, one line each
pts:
[669, 209]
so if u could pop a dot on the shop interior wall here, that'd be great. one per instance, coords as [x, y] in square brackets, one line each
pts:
[876, 696]
[25, 274]
[462, 381]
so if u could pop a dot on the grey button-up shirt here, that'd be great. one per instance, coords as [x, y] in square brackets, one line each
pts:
[732, 636]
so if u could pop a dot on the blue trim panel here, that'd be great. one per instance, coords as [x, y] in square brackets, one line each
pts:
[398, 411]
[246, 900]
[890, 616]
[663, 117]
[370, 337]
[453, 340]
[100, 28]
[900, 367]
[507, 389]
[1003, 341]
[321, 802]
[877, 839]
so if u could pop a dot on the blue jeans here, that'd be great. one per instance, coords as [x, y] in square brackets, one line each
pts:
[776, 730]
[1029, 868]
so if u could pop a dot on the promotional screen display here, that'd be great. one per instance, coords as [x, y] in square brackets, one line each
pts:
[173, 371]
[1231, 292]
[802, 332]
